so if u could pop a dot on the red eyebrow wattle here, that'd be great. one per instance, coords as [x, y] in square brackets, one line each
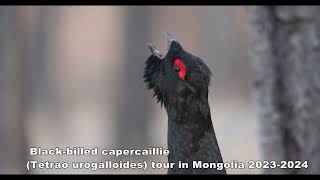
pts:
[183, 70]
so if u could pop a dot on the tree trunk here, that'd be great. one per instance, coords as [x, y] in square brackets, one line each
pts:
[6, 16]
[285, 49]
[12, 125]
[33, 75]
[134, 109]
[23, 81]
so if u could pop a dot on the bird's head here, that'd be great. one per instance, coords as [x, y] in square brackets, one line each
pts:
[177, 75]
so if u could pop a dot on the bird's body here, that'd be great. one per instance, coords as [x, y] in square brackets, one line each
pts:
[180, 81]
[191, 137]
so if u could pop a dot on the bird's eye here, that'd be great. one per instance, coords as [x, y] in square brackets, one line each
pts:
[176, 68]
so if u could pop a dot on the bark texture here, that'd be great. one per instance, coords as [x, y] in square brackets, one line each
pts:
[285, 50]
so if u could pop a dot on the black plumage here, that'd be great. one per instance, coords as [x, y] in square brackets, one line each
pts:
[180, 82]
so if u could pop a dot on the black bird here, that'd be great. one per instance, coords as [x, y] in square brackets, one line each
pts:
[180, 82]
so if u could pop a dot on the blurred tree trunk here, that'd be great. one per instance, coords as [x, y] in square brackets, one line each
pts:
[285, 50]
[6, 16]
[32, 34]
[134, 109]
[33, 75]
[12, 129]
[23, 81]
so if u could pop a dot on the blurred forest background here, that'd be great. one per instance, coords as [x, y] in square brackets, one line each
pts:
[72, 76]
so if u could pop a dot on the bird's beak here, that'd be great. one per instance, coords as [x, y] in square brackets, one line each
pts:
[156, 52]
[170, 38]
